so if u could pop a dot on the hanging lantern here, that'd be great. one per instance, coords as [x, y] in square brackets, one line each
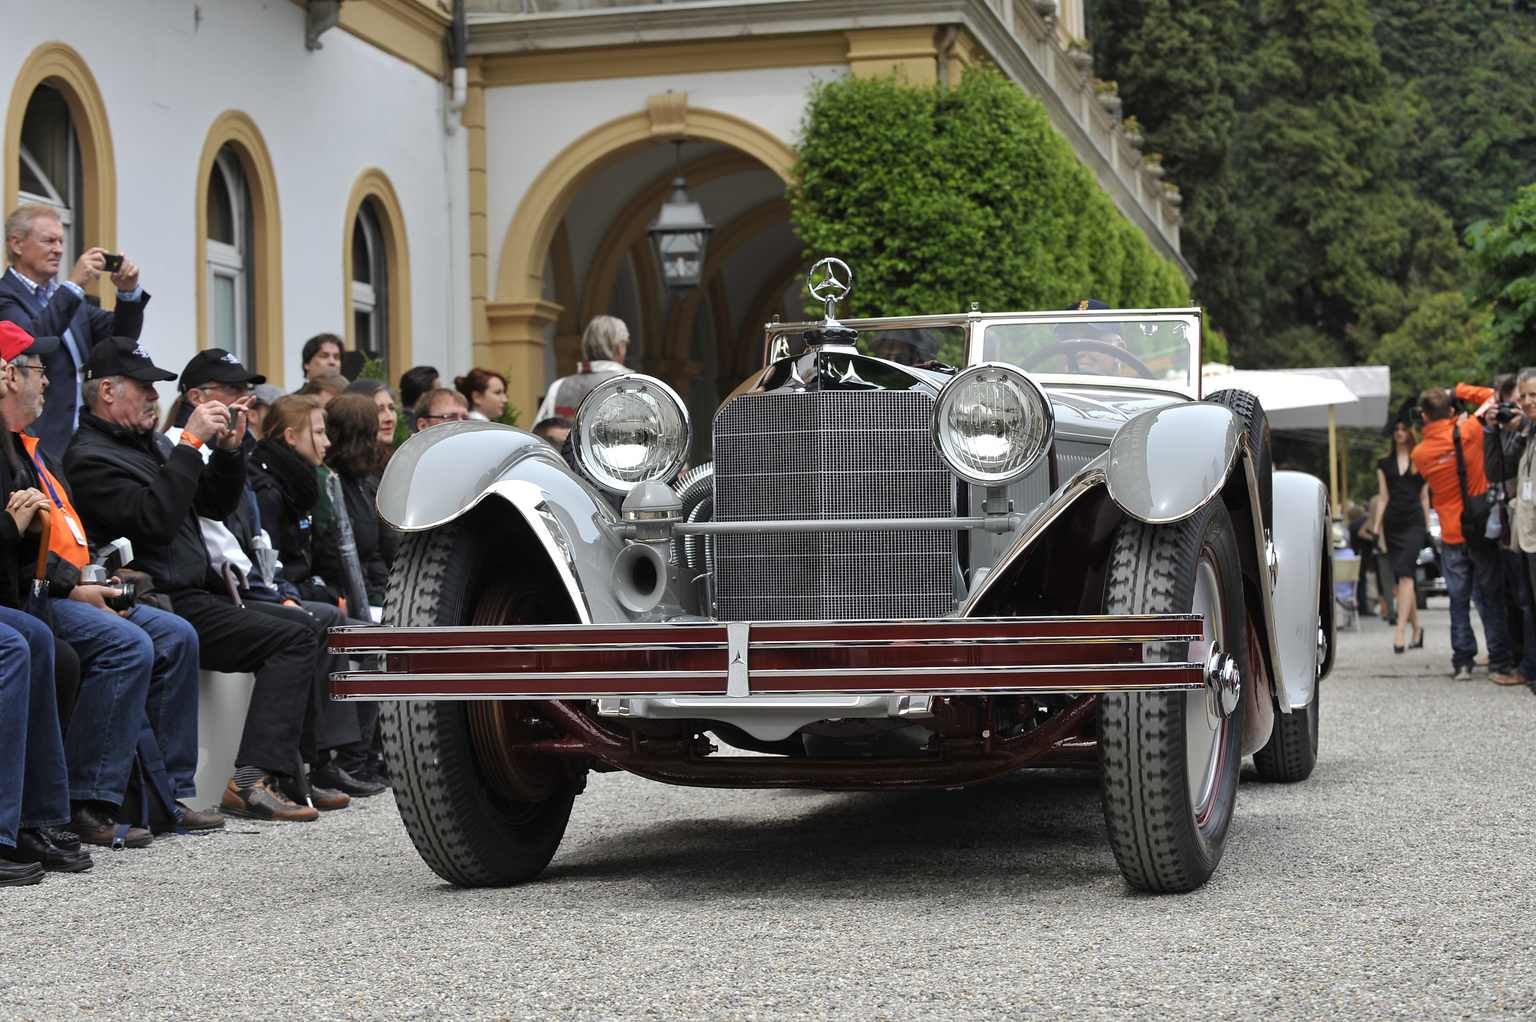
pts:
[678, 234]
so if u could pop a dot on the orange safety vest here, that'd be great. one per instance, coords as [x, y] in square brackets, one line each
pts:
[63, 536]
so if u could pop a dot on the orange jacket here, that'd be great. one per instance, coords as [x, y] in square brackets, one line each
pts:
[62, 537]
[1436, 458]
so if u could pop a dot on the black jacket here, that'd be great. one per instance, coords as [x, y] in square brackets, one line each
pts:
[142, 486]
[287, 488]
[18, 552]
[367, 531]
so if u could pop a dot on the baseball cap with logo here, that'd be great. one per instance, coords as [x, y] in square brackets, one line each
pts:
[122, 356]
[216, 366]
[16, 341]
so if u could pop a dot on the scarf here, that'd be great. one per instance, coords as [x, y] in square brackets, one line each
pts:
[295, 476]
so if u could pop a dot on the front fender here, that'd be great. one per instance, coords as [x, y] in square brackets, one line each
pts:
[1168, 463]
[444, 472]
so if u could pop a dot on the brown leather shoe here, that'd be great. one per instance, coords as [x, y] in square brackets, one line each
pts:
[263, 801]
[191, 819]
[324, 799]
[95, 825]
[1506, 678]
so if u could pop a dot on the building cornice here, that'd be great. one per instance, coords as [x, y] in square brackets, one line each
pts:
[722, 35]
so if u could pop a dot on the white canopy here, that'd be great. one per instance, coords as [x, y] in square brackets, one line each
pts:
[1358, 396]
[1300, 398]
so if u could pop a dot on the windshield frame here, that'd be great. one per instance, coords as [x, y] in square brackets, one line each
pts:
[976, 324]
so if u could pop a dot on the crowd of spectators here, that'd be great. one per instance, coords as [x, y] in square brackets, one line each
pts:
[1473, 471]
[229, 535]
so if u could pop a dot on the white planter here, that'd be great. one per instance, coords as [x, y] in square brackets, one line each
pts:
[1135, 138]
[1082, 58]
[1045, 8]
[1109, 101]
[1154, 170]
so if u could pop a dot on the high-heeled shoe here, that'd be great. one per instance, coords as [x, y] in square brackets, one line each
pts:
[1418, 641]
[1398, 649]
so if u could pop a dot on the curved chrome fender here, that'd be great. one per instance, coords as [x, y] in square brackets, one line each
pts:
[1301, 524]
[1166, 464]
[440, 474]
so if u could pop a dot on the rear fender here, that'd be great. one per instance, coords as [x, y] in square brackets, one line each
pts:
[1300, 531]
[443, 473]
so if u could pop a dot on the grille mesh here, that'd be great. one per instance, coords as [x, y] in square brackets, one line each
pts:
[827, 455]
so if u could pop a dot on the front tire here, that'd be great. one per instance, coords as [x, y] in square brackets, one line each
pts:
[1168, 761]
[481, 812]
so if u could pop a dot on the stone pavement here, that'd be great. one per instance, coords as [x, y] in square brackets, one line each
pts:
[1397, 881]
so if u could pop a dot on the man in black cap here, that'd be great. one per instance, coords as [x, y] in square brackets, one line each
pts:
[1094, 360]
[132, 481]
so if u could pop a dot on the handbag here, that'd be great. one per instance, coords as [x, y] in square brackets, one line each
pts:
[1475, 510]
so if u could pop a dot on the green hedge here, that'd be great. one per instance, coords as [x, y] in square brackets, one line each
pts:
[938, 197]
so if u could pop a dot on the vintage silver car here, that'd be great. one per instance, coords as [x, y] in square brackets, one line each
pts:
[893, 573]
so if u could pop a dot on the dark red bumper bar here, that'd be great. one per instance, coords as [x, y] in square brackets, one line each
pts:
[961, 656]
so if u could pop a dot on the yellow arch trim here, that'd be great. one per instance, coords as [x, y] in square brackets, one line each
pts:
[517, 316]
[60, 66]
[237, 129]
[373, 185]
[520, 276]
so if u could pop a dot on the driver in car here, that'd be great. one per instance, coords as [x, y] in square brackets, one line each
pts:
[907, 347]
[1088, 361]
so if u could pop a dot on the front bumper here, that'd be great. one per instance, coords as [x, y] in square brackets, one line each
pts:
[731, 660]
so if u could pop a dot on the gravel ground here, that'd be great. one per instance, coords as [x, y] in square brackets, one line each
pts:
[1397, 881]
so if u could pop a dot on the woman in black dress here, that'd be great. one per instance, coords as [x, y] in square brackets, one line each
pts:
[1400, 519]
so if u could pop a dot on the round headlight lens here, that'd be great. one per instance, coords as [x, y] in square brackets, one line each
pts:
[631, 430]
[992, 423]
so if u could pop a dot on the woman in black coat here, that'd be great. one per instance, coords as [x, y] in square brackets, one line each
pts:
[284, 474]
[357, 459]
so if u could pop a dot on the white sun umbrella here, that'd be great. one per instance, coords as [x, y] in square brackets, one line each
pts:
[1283, 391]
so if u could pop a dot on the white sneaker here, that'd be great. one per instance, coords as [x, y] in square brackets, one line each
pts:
[1462, 674]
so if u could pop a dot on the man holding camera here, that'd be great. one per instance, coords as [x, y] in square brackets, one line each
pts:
[133, 658]
[133, 481]
[34, 300]
[1450, 457]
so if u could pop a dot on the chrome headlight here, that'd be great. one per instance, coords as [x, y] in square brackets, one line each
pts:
[631, 430]
[992, 423]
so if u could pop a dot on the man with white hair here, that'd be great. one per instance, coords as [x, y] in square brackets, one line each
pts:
[605, 343]
[33, 299]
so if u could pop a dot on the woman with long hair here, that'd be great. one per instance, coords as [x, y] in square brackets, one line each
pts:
[383, 395]
[286, 482]
[357, 459]
[1400, 520]
[486, 392]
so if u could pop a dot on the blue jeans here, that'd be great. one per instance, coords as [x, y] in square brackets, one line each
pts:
[103, 732]
[34, 783]
[129, 667]
[1476, 561]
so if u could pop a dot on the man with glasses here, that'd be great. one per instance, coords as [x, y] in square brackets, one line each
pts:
[439, 406]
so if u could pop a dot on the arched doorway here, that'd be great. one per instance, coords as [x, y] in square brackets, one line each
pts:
[582, 228]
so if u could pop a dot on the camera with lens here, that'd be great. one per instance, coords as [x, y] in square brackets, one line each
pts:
[96, 574]
[1506, 412]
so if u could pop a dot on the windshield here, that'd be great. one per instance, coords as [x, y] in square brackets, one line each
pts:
[909, 346]
[1148, 349]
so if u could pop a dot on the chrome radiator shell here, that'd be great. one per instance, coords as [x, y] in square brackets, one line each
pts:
[829, 454]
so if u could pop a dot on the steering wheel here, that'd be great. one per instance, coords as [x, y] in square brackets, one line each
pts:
[1099, 347]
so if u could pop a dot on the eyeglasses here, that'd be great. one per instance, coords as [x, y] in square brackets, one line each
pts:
[233, 388]
[38, 368]
[451, 417]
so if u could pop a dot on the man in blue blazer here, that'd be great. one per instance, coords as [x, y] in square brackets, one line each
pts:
[34, 300]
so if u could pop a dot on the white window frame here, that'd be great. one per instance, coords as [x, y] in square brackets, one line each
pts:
[372, 298]
[227, 262]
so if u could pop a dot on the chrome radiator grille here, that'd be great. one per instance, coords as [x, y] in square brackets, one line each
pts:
[827, 455]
